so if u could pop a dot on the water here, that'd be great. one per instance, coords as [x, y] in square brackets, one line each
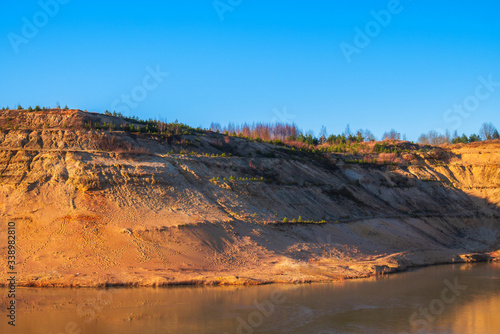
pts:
[391, 304]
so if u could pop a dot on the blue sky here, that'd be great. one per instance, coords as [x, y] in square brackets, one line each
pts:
[244, 61]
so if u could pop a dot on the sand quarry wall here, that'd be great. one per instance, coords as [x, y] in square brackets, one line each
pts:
[139, 216]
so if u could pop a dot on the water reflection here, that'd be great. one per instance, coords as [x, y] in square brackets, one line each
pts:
[376, 305]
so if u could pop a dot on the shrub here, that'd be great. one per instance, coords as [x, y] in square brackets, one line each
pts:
[380, 148]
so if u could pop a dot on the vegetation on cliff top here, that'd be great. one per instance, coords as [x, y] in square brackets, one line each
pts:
[360, 146]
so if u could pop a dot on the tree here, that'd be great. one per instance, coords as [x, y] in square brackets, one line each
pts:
[308, 138]
[322, 135]
[392, 135]
[215, 127]
[460, 139]
[487, 131]
[496, 135]
[347, 131]
[473, 138]
[368, 135]
[359, 136]
[434, 138]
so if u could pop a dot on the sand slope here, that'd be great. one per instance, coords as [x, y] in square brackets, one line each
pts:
[93, 208]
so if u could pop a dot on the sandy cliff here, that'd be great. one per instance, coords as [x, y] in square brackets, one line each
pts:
[94, 207]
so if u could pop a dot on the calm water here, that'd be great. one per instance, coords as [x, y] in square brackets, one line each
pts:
[412, 302]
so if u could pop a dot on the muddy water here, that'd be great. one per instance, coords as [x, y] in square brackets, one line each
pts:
[442, 299]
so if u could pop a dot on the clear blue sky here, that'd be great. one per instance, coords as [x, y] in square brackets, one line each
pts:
[264, 61]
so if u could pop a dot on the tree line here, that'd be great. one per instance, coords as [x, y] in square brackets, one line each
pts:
[487, 131]
[288, 133]
[291, 133]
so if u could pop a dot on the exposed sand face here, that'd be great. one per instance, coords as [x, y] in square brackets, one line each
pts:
[87, 217]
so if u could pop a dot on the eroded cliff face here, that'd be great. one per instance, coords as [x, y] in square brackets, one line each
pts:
[94, 208]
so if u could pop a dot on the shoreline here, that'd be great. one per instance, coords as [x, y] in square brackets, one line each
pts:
[486, 257]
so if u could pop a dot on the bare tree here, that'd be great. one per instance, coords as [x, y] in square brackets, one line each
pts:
[434, 138]
[347, 131]
[392, 135]
[368, 135]
[322, 135]
[215, 127]
[487, 131]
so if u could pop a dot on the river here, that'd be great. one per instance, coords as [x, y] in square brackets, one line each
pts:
[463, 298]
